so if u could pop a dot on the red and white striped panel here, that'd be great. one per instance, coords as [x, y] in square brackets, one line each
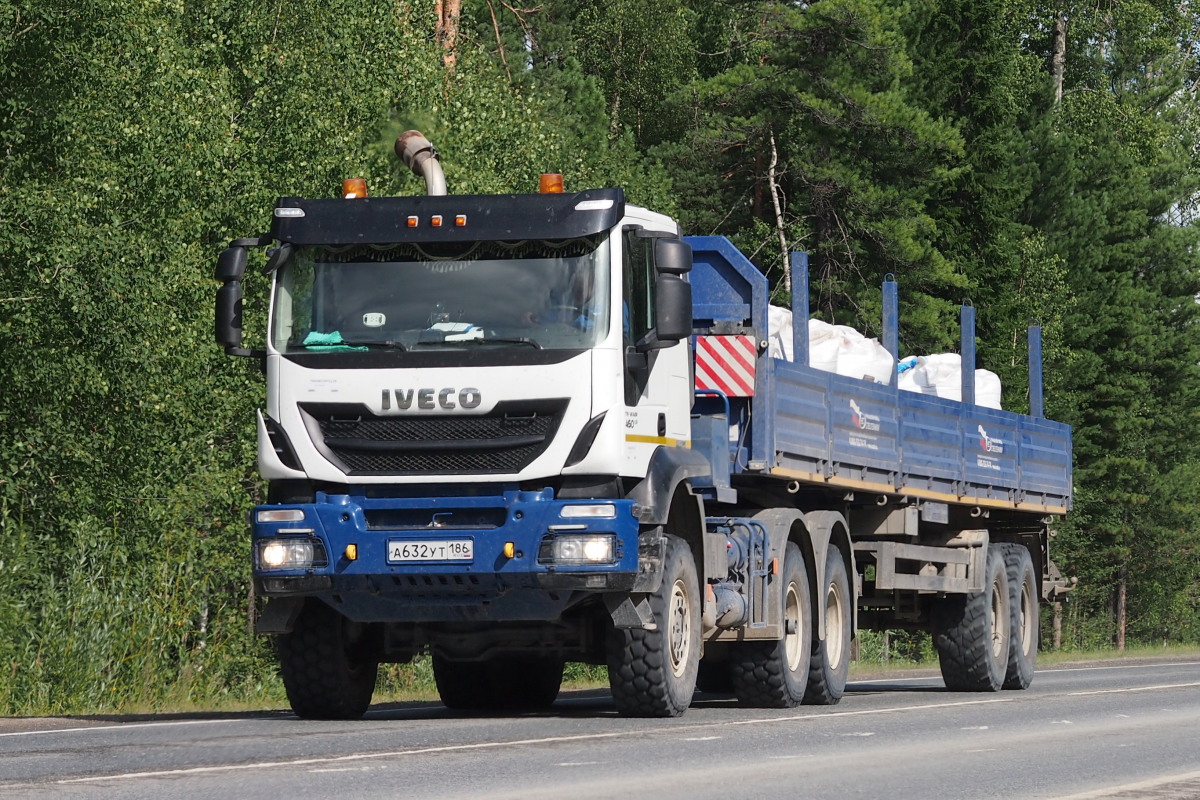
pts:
[726, 364]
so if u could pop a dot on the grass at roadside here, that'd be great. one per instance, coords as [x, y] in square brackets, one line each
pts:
[414, 682]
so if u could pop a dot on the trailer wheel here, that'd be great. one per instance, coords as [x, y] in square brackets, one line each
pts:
[775, 674]
[652, 673]
[972, 632]
[323, 675]
[527, 683]
[831, 657]
[462, 685]
[714, 677]
[1023, 605]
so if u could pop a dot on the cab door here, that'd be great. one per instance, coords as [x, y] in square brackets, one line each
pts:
[657, 375]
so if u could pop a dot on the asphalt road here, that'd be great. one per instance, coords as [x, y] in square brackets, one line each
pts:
[1097, 731]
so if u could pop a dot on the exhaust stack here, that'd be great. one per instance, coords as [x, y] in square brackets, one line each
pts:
[421, 158]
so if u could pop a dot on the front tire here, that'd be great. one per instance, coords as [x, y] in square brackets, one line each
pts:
[830, 665]
[972, 632]
[1023, 605]
[775, 674]
[652, 673]
[324, 671]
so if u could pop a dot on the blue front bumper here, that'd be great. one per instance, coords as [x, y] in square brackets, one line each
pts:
[399, 559]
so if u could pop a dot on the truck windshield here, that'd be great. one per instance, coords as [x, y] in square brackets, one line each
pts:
[521, 294]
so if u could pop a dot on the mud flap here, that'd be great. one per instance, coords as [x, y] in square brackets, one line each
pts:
[279, 615]
[630, 611]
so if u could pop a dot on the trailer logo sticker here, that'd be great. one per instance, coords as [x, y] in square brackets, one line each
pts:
[988, 444]
[868, 423]
[992, 445]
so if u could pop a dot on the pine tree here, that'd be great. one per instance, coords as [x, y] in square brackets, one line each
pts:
[1111, 170]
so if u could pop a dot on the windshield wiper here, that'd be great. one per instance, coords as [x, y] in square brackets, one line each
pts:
[509, 340]
[390, 344]
[478, 342]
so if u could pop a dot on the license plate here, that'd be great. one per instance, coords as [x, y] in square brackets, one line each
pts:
[405, 551]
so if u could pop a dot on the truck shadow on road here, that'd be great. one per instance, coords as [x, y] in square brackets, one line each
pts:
[598, 703]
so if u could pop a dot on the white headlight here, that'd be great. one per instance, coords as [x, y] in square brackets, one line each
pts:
[583, 549]
[285, 553]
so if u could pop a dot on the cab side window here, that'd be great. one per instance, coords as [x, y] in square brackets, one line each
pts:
[639, 278]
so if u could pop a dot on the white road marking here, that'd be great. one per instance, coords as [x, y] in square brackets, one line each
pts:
[358, 757]
[124, 726]
[975, 728]
[1139, 689]
[1122, 666]
[1128, 787]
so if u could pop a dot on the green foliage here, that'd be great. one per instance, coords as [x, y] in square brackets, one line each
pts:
[923, 140]
[819, 92]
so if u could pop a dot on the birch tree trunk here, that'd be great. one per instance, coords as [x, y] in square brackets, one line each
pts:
[448, 12]
[779, 229]
[1122, 597]
[1058, 58]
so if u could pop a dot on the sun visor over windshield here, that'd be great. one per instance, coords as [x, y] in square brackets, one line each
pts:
[386, 220]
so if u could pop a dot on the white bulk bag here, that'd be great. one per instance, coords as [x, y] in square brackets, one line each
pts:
[779, 325]
[866, 359]
[825, 344]
[940, 375]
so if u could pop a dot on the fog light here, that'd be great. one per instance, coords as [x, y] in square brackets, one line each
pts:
[593, 548]
[290, 553]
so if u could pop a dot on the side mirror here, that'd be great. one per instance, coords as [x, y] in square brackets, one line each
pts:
[231, 266]
[673, 306]
[672, 256]
[228, 325]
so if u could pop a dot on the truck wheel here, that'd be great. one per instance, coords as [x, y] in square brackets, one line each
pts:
[1023, 604]
[463, 685]
[971, 632]
[527, 683]
[713, 677]
[775, 674]
[652, 673]
[831, 657]
[323, 675]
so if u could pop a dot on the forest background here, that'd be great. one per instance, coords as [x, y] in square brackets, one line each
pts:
[1037, 159]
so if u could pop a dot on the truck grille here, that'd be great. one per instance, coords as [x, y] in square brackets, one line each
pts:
[504, 440]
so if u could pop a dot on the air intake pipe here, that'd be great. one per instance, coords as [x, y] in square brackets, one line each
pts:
[417, 152]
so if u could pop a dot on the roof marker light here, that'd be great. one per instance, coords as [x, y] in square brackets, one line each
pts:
[594, 205]
[550, 183]
[412, 222]
[353, 188]
[460, 220]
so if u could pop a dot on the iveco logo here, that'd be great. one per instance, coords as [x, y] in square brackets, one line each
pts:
[431, 398]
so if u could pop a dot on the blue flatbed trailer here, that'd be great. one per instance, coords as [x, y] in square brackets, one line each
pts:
[831, 431]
